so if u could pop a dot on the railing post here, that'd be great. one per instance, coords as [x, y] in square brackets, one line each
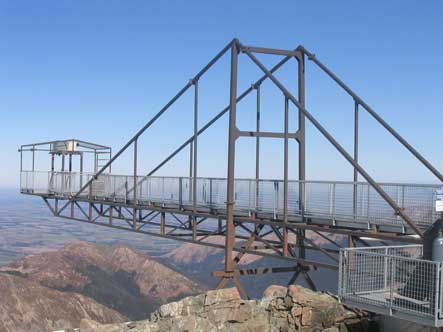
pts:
[81, 169]
[210, 192]
[191, 173]
[21, 160]
[275, 199]
[90, 203]
[249, 197]
[126, 190]
[63, 183]
[163, 190]
[398, 201]
[180, 195]
[334, 195]
[33, 158]
[368, 204]
[391, 284]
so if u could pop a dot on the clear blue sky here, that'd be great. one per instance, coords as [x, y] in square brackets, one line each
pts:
[98, 70]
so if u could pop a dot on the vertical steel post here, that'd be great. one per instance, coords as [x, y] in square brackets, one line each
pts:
[191, 164]
[63, 174]
[355, 158]
[301, 133]
[134, 211]
[51, 181]
[81, 169]
[21, 160]
[194, 175]
[70, 182]
[230, 227]
[191, 173]
[301, 153]
[257, 150]
[90, 203]
[95, 161]
[285, 181]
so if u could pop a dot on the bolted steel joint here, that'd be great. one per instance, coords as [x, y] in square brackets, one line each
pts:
[255, 86]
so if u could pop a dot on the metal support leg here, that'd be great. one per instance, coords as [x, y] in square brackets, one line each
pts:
[301, 136]
[257, 151]
[194, 175]
[162, 223]
[285, 182]
[230, 227]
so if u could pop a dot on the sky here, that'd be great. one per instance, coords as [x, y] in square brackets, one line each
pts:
[99, 70]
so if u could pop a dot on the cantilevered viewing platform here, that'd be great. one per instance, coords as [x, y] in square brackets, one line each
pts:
[282, 218]
[324, 202]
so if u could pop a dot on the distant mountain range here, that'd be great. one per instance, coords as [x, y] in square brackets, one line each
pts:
[55, 289]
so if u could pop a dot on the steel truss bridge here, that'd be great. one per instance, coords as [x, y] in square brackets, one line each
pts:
[257, 216]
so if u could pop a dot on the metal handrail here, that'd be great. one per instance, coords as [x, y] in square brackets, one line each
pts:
[391, 283]
[325, 199]
[406, 184]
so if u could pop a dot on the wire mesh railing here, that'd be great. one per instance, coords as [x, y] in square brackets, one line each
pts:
[317, 199]
[391, 280]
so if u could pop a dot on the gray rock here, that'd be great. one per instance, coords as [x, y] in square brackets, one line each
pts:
[281, 309]
[222, 296]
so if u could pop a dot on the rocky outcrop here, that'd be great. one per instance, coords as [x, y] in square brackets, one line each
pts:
[281, 309]
[28, 306]
[56, 289]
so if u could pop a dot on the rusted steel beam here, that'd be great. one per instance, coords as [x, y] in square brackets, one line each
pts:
[230, 227]
[339, 148]
[256, 271]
